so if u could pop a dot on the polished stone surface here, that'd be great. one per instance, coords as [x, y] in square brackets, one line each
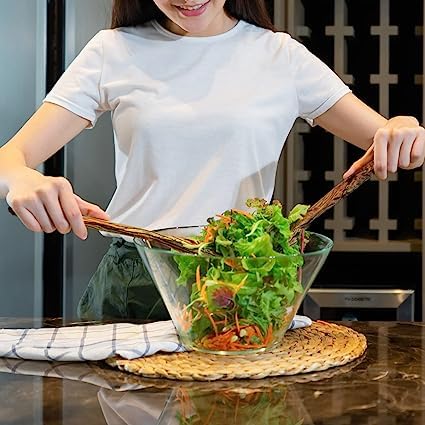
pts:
[386, 386]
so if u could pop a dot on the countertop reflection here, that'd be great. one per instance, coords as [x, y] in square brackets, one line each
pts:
[385, 386]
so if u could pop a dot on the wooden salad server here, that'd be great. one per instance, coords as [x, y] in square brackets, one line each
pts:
[340, 191]
[151, 236]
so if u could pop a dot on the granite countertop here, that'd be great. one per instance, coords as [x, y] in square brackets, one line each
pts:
[385, 386]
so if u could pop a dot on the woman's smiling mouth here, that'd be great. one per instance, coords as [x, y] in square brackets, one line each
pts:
[195, 10]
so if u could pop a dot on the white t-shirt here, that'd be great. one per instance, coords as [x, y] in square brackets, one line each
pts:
[199, 122]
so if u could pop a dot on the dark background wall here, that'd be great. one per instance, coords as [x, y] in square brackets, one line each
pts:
[370, 269]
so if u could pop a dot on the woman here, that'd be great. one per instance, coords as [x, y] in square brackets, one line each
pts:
[203, 95]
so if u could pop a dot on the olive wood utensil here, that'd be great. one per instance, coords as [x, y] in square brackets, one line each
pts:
[151, 237]
[155, 238]
[340, 191]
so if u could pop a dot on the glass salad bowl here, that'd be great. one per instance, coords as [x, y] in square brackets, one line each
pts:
[233, 305]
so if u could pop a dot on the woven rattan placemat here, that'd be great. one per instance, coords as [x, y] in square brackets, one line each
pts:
[316, 348]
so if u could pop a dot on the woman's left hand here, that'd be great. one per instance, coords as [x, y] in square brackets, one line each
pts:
[400, 143]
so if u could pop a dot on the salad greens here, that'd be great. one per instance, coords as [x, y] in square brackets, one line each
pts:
[240, 298]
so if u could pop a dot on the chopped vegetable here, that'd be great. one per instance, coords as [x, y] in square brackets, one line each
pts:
[239, 299]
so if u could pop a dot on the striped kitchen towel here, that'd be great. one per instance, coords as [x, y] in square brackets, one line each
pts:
[97, 342]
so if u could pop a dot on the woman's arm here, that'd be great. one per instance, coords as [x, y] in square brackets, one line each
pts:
[43, 203]
[393, 143]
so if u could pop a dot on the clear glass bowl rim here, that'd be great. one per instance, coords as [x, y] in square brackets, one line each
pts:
[329, 244]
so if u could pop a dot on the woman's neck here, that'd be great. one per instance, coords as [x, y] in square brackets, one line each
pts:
[219, 25]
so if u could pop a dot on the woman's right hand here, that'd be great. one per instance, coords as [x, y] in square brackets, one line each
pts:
[46, 204]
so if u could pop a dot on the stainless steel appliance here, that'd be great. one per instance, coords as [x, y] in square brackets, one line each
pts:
[360, 304]
[38, 38]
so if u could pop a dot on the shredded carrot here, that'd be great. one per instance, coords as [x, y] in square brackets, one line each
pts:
[236, 346]
[203, 293]
[185, 321]
[237, 323]
[225, 219]
[231, 263]
[209, 235]
[258, 332]
[246, 214]
[269, 335]
[234, 264]
[227, 342]
[211, 320]
[198, 278]
[250, 332]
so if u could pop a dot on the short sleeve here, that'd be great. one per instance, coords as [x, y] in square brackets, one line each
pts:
[79, 87]
[318, 87]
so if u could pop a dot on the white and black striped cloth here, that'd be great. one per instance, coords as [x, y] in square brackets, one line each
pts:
[97, 342]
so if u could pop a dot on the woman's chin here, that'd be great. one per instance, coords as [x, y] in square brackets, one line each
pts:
[194, 29]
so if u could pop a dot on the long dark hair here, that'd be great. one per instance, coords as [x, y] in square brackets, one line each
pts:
[128, 13]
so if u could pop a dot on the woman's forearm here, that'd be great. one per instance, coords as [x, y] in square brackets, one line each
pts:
[47, 131]
[353, 121]
[44, 203]
[12, 164]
